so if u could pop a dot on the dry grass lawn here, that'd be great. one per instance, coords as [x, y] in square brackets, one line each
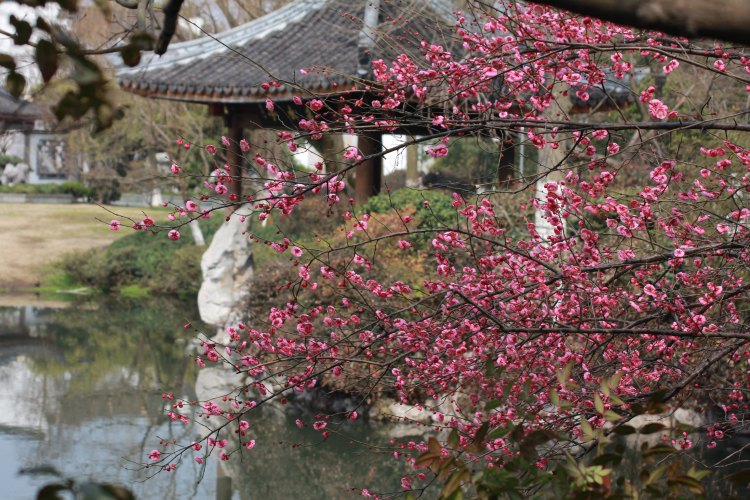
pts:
[33, 237]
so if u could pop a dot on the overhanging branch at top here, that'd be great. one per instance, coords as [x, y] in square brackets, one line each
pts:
[726, 20]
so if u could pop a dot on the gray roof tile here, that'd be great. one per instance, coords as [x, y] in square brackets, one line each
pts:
[17, 110]
[229, 67]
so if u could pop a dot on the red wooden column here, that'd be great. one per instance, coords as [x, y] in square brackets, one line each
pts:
[234, 156]
[507, 162]
[369, 171]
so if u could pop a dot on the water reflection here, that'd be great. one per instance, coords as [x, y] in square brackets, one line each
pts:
[82, 394]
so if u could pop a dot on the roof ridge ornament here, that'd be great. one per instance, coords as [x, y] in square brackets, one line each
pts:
[367, 38]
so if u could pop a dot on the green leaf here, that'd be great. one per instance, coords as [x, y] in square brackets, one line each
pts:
[46, 59]
[698, 474]
[434, 446]
[554, 398]
[652, 428]
[655, 474]
[500, 432]
[614, 381]
[597, 473]
[655, 403]
[615, 400]
[131, 55]
[7, 61]
[588, 431]
[692, 484]
[563, 375]
[118, 492]
[71, 5]
[86, 72]
[426, 459]
[479, 436]
[598, 404]
[71, 105]
[453, 483]
[612, 416]
[637, 409]
[659, 449]
[50, 492]
[624, 430]
[446, 468]
[43, 25]
[23, 31]
[453, 439]
[457, 495]
[683, 427]
[491, 405]
[142, 40]
[104, 116]
[507, 390]
[15, 83]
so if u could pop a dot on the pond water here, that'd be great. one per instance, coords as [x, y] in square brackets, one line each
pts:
[82, 389]
[82, 393]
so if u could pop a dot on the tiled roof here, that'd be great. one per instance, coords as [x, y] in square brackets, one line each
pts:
[229, 67]
[17, 110]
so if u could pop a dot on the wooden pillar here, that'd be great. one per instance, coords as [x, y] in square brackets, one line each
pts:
[412, 164]
[370, 171]
[330, 146]
[507, 163]
[234, 156]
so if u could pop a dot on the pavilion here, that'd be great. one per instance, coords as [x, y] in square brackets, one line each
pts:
[336, 40]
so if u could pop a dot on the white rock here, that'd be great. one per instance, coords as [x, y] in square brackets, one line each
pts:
[226, 267]
[689, 417]
[669, 420]
[410, 413]
[400, 431]
[216, 381]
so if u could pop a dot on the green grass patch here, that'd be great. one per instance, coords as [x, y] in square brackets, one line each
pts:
[56, 282]
[135, 292]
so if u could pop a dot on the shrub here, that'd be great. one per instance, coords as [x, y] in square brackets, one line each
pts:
[77, 189]
[148, 261]
[5, 159]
